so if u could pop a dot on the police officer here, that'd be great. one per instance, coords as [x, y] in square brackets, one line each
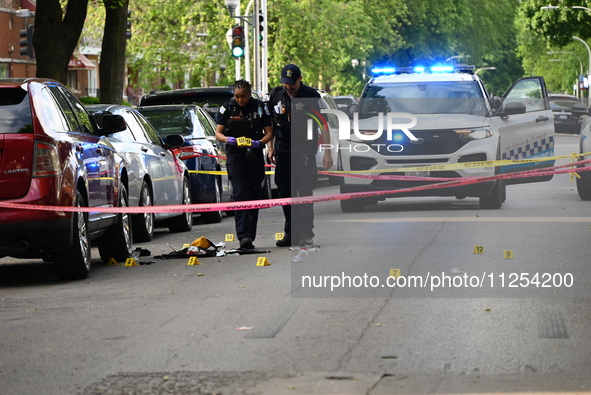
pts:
[244, 124]
[294, 154]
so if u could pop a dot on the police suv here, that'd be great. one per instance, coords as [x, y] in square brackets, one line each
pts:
[433, 125]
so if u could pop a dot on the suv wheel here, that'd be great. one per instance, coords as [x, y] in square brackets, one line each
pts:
[184, 222]
[143, 224]
[351, 205]
[117, 242]
[74, 263]
[495, 199]
[584, 185]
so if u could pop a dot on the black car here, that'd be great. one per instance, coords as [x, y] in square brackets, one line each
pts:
[564, 121]
[209, 99]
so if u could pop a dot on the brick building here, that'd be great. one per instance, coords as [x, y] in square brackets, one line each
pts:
[16, 15]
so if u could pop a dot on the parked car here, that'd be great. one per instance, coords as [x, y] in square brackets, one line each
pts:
[564, 120]
[198, 130]
[345, 102]
[156, 177]
[209, 99]
[584, 181]
[52, 154]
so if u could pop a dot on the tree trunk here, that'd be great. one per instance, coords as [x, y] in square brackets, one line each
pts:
[56, 36]
[112, 65]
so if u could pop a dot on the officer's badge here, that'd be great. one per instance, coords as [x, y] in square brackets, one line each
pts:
[289, 73]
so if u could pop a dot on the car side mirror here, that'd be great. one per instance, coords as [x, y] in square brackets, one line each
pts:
[579, 110]
[174, 140]
[351, 109]
[113, 123]
[512, 109]
[496, 103]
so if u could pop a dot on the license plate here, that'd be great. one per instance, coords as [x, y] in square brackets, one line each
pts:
[416, 173]
[562, 116]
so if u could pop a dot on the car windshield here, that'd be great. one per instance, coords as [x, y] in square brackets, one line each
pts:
[174, 121]
[562, 104]
[15, 111]
[423, 98]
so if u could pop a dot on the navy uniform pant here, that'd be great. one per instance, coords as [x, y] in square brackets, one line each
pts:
[296, 175]
[246, 175]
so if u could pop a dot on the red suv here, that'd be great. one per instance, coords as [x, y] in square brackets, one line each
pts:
[52, 153]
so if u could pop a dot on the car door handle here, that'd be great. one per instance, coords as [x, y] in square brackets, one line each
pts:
[163, 154]
[542, 119]
[144, 149]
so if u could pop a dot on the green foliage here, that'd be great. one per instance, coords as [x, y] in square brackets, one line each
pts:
[183, 44]
[86, 100]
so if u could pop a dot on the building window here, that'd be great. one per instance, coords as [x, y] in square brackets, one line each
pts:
[4, 70]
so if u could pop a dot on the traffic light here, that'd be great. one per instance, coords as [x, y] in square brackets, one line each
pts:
[128, 25]
[238, 41]
[261, 27]
[27, 41]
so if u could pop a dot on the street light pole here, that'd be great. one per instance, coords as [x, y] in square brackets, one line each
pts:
[589, 67]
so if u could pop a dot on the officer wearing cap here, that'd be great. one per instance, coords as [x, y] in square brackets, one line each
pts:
[294, 154]
[244, 124]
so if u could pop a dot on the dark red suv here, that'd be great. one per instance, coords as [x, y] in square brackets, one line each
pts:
[52, 153]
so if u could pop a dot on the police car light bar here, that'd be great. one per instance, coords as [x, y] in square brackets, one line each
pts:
[421, 69]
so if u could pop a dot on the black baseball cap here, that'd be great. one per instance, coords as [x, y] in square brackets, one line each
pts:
[290, 74]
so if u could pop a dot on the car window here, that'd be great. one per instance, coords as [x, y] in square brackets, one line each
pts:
[173, 121]
[86, 122]
[151, 134]
[208, 128]
[51, 118]
[562, 104]
[134, 130]
[528, 92]
[66, 109]
[433, 97]
[15, 111]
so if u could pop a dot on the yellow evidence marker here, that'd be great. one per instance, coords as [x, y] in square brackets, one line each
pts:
[130, 262]
[394, 273]
[193, 261]
[508, 254]
[229, 237]
[279, 236]
[112, 262]
[262, 261]
[243, 142]
[186, 246]
[479, 249]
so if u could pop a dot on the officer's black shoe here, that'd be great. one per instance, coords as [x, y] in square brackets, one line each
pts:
[246, 244]
[285, 242]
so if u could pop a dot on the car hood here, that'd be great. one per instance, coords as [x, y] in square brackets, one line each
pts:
[428, 122]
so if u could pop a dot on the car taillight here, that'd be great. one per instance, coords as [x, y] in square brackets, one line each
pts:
[46, 160]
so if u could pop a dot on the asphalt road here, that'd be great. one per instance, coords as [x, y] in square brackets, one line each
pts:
[228, 326]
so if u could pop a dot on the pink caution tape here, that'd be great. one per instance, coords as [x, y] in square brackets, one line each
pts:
[258, 204]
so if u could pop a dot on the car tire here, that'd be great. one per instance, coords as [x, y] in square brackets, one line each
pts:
[143, 224]
[214, 217]
[495, 199]
[584, 185]
[351, 205]
[184, 222]
[117, 242]
[74, 263]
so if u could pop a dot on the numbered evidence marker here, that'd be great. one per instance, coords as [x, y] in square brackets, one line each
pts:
[262, 261]
[229, 237]
[479, 249]
[394, 273]
[243, 142]
[112, 262]
[279, 236]
[130, 262]
[508, 254]
[193, 261]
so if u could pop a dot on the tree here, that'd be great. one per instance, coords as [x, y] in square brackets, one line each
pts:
[112, 65]
[57, 31]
